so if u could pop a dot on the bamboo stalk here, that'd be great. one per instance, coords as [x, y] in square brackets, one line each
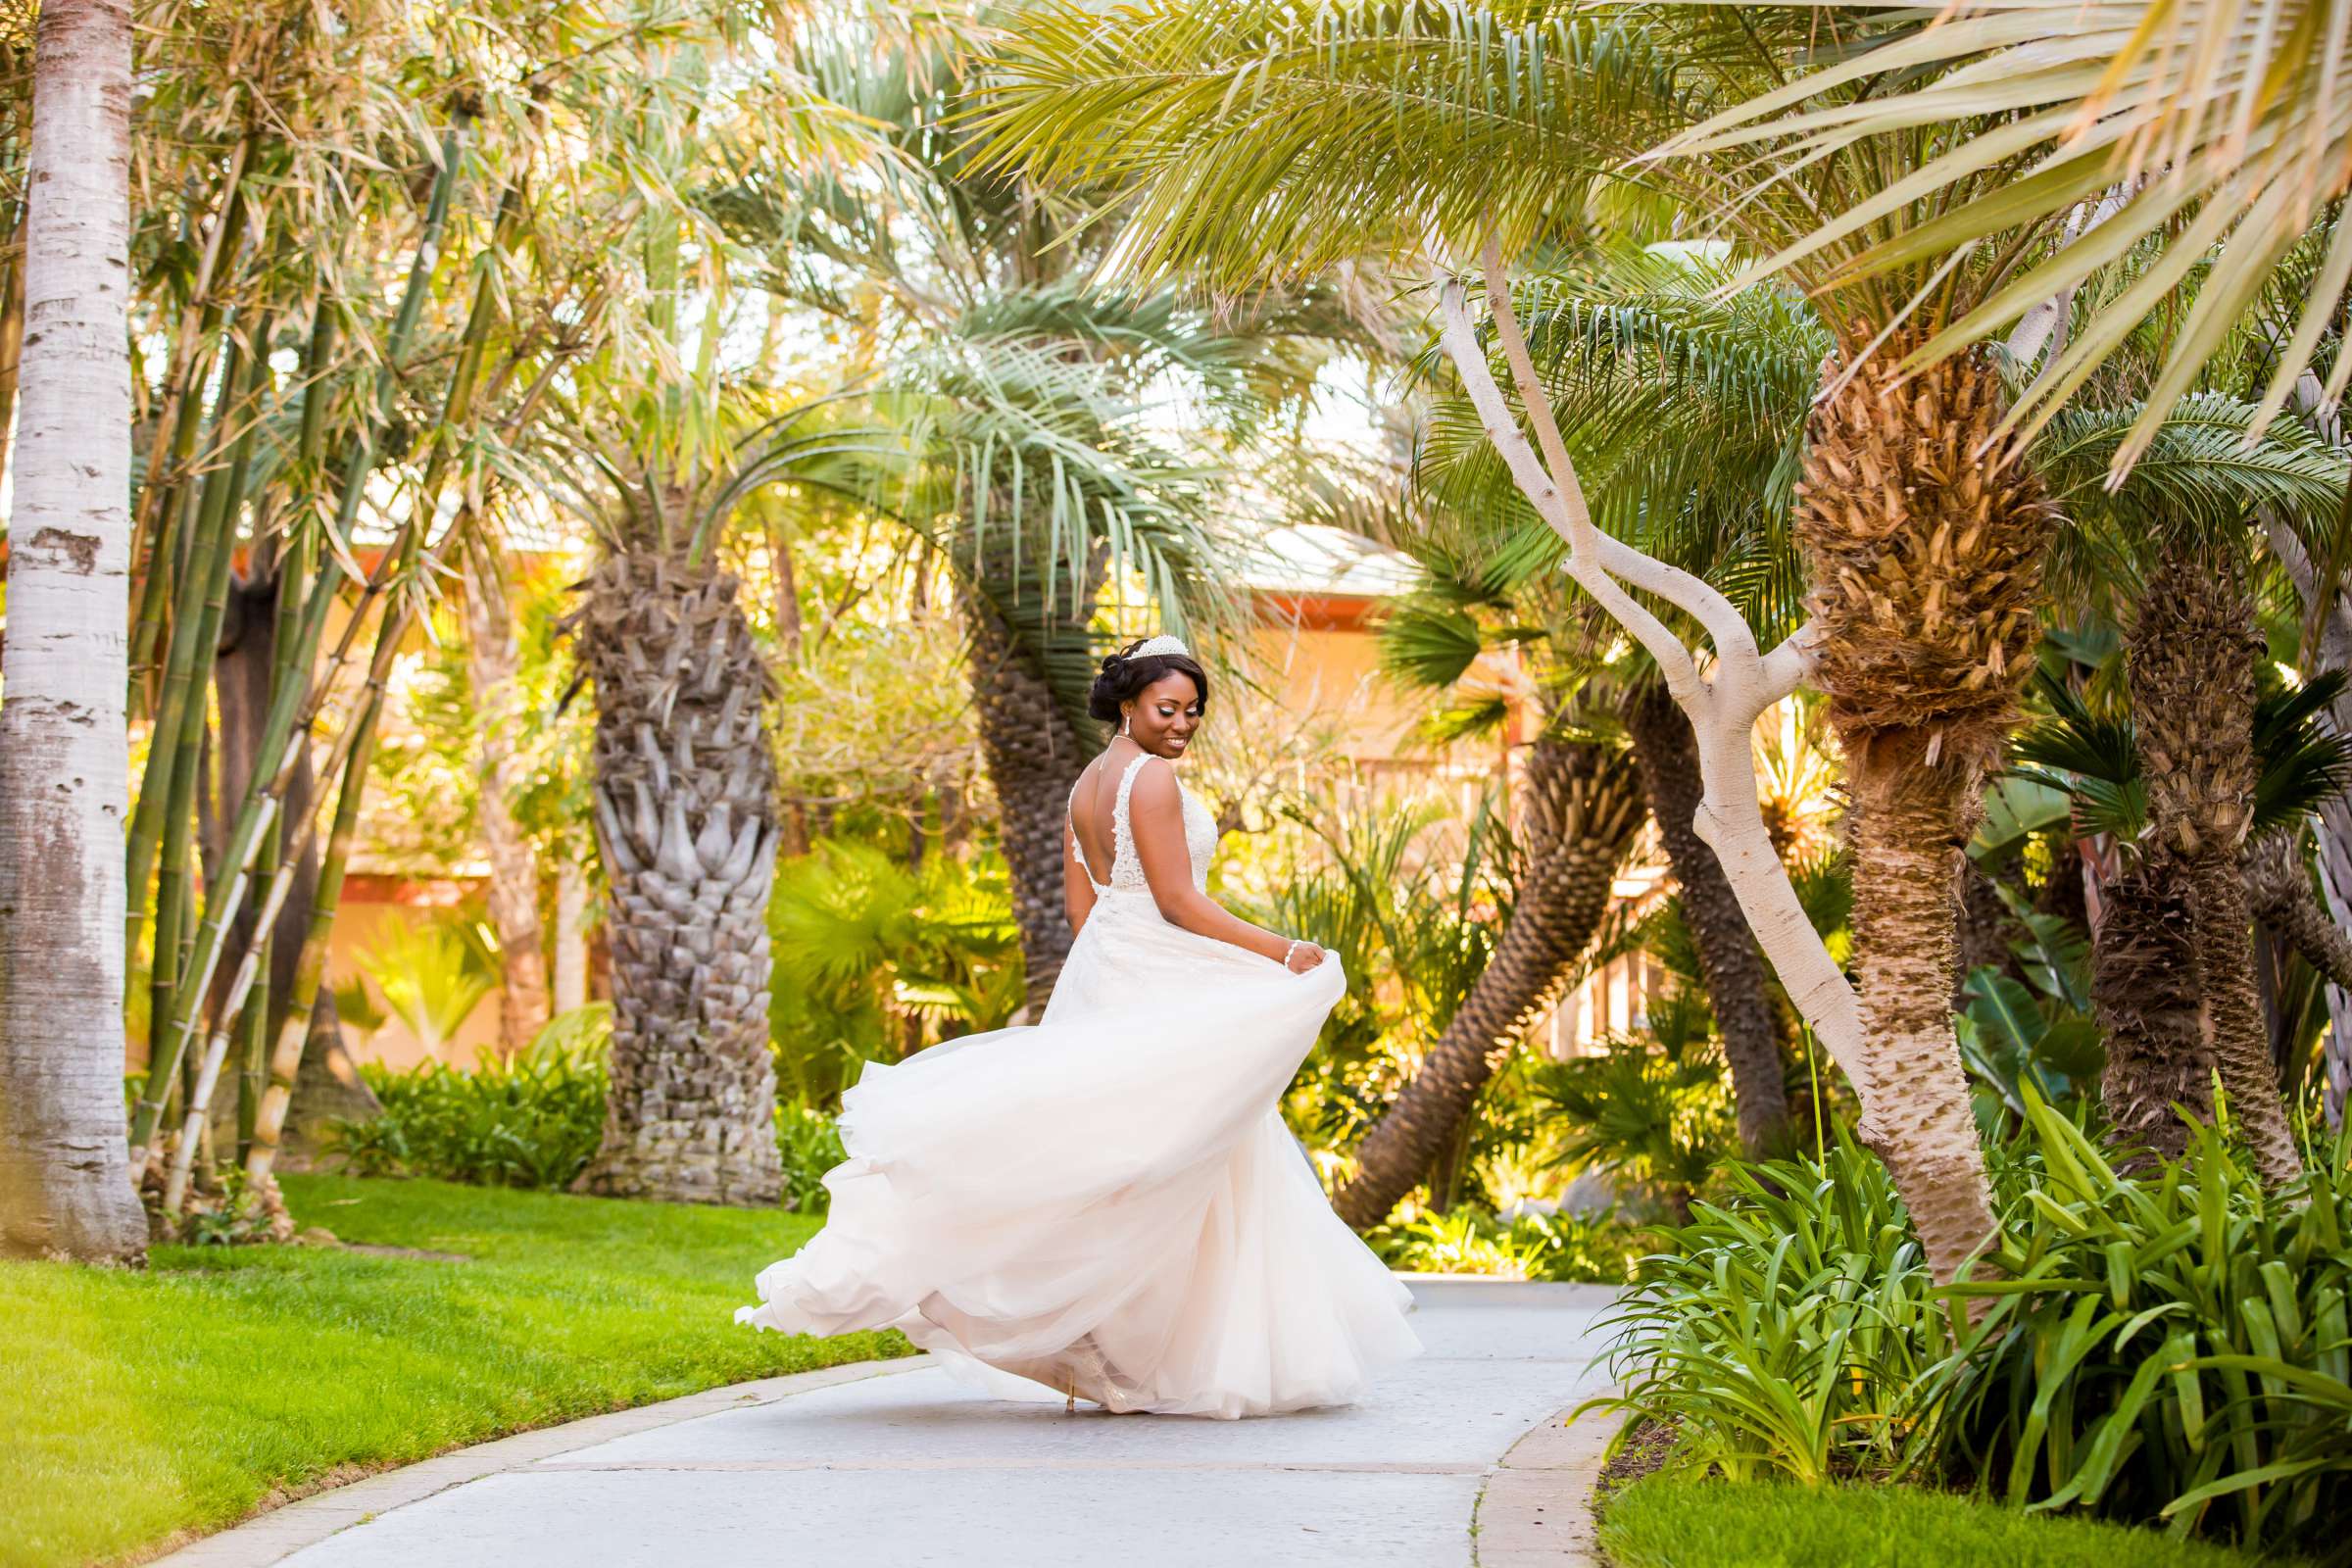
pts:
[253, 1071]
[293, 1030]
[293, 566]
[168, 461]
[168, 785]
[167, 792]
[275, 760]
[310, 972]
[348, 761]
[198, 322]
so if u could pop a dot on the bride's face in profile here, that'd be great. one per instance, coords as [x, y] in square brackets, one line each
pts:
[1163, 716]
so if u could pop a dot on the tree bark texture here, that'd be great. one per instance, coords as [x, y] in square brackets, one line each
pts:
[65, 1181]
[513, 894]
[2149, 1006]
[1666, 754]
[2191, 659]
[2280, 892]
[1033, 751]
[686, 822]
[1581, 806]
[1924, 539]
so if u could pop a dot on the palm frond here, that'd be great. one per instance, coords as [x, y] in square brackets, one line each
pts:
[2224, 126]
[1251, 142]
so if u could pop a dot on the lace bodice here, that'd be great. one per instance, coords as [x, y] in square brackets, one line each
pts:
[1126, 868]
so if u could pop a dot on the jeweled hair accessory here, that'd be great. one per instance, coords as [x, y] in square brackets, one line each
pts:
[1154, 647]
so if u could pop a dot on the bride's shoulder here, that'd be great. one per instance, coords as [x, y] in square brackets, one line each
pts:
[1156, 782]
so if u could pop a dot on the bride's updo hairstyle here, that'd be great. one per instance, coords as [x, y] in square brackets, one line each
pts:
[1127, 672]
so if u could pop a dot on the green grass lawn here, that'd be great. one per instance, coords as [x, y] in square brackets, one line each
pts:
[1676, 1522]
[137, 1405]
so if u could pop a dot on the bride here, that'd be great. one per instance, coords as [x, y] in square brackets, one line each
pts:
[1108, 1207]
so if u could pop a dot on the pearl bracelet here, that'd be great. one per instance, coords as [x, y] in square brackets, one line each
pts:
[1290, 953]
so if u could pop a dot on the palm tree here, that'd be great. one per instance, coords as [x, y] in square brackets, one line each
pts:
[687, 823]
[657, 442]
[64, 1185]
[684, 788]
[2172, 980]
[1029, 398]
[2193, 658]
[1739, 991]
[2146, 134]
[2205, 785]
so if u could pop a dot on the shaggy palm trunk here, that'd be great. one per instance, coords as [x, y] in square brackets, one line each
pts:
[1666, 753]
[2192, 670]
[64, 1185]
[1582, 806]
[2280, 891]
[686, 822]
[514, 890]
[2144, 987]
[1924, 541]
[1033, 751]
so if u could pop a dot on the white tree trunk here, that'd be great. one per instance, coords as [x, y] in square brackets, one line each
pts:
[572, 936]
[65, 1184]
[1722, 701]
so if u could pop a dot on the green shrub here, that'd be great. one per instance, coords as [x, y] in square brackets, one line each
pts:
[809, 1142]
[2170, 1347]
[2163, 1349]
[534, 1119]
[531, 1119]
[1789, 1328]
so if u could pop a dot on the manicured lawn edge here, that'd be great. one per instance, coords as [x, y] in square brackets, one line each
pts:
[280, 1530]
[1683, 1521]
[148, 1409]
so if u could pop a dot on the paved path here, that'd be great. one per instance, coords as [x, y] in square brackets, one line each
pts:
[1458, 1459]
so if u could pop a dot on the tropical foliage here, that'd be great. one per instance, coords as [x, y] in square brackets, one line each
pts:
[2163, 1349]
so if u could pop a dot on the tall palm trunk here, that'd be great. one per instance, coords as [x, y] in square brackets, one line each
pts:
[514, 890]
[1924, 541]
[2144, 987]
[1033, 751]
[2192, 662]
[686, 821]
[1666, 753]
[329, 1087]
[1581, 808]
[64, 1183]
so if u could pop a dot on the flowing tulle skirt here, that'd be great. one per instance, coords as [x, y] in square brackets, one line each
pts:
[1106, 1204]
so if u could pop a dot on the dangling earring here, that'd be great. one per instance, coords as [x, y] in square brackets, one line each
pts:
[1126, 720]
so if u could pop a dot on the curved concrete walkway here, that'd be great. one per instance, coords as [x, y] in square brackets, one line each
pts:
[1460, 1460]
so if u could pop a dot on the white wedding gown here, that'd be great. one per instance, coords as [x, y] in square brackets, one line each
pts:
[1109, 1204]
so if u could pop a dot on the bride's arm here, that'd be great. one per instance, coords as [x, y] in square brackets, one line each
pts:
[1077, 891]
[1155, 815]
